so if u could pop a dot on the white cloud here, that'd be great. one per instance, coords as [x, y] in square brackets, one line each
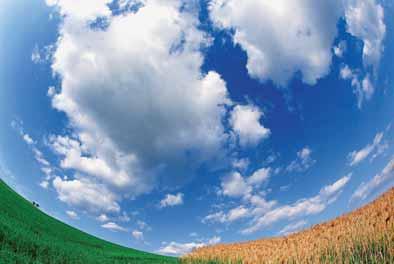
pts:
[86, 195]
[264, 30]
[357, 156]
[340, 49]
[72, 215]
[171, 200]
[362, 87]
[241, 164]
[303, 207]
[387, 175]
[44, 184]
[303, 161]
[259, 176]
[245, 122]
[178, 249]
[113, 227]
[102, 218]
[159, 115]
[292, 228]
[237, 213]
[218, 217]
[138, 235]
[365, 20]
[234, 185]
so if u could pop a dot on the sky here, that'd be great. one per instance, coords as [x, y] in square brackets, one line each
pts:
[166, 125]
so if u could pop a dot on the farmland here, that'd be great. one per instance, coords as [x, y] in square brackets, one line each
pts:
[28, 235]
[363, 236]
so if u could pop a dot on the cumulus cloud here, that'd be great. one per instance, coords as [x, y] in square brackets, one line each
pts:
[376, 148]
[134, 120]
[264, 30]
[245, 122]
[303, 207]
[303, 161]
[234, 185]
[113, 227]
[86, 195]
[72, 215]
[259, 176]
[365, 20]
[171, 200]
[177, 249]
[366, 188]
[248, 190]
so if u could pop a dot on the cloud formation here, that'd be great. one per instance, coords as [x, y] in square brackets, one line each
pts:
[366, 188]
[171, 200]
[245, 122]
[177, 249]
[264, 30]
[133, 119]
[376, 148]
[303, 161]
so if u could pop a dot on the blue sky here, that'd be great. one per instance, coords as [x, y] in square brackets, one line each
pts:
[167, 125]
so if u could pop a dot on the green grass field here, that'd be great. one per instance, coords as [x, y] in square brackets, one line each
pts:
[28, 235]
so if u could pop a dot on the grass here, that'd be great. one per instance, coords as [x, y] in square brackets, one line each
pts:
[28, 235]
[363, 236]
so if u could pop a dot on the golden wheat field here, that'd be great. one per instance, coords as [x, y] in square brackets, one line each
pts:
[365, 235]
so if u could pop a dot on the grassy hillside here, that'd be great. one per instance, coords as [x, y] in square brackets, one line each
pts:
[28, 235]
[363, 236]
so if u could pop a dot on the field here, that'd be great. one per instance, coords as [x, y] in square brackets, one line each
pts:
[363, 236]
[366, 235]
[28, 235]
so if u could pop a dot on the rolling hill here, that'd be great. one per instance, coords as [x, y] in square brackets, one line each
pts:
[27, 235]
[365, 235]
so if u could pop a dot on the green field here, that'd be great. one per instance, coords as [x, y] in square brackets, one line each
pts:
[28, 235]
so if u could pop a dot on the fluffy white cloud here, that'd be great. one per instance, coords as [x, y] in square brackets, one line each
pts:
[177, 249]
[83, 10]
[135, 96]
[113, 227]
[171, 200]
[245, 122]
[264, 30]
[138, 235]
[303, 207]
[86, 195]
[387, 175]
[377, 147]
[303, 161]
[365, 20]
[234, 185]
[72, 214]
[259, 176]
